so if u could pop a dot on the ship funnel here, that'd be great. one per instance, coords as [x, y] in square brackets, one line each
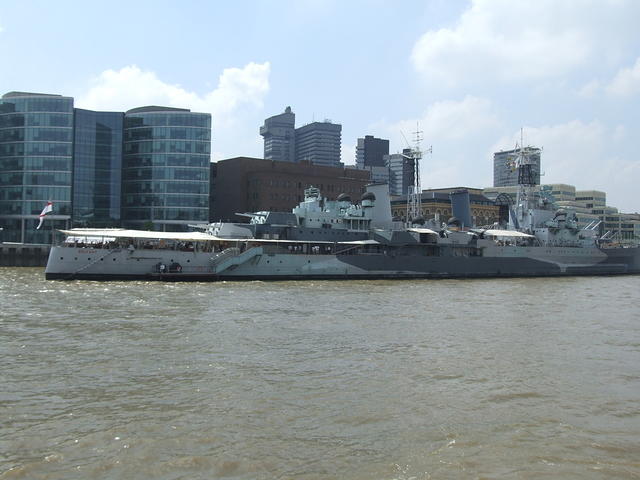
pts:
[461, 207]
[381, 207]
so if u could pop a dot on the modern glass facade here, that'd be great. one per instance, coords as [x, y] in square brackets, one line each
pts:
[166, 169]
[97, 168]
[36, 148]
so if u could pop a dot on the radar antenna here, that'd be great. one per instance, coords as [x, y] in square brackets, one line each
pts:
[522, 161]
[414, 192]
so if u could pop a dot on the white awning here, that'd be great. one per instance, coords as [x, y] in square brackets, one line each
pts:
[361, 242]
[422, 230]
[506, 233]
[110, 233]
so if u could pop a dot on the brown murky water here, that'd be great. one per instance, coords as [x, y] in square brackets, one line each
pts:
[523, 378]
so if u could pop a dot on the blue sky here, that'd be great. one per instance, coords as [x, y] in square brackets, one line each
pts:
[470, 73]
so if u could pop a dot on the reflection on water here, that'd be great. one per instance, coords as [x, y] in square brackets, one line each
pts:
[521, 378]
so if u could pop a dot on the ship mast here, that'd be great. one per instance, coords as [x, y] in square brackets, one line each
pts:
[414, 193]
[525, 199]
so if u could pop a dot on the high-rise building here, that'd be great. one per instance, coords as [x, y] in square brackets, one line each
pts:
[319, 143]
[279, 137]
[97, 172]
[36, 164]
[370, 155]
[401, 172]
[370, 152]
[166, 168]
[505, 173]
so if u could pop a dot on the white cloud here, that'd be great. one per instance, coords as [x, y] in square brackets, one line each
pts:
[131, 87]
[514, 40]
[626, 82]
[452, 120]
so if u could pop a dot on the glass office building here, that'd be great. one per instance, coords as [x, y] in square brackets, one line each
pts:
[146, 168]
[97, 168]
[165, 168]
[36, 148]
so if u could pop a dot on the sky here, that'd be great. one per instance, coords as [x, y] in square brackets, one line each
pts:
[470, 75]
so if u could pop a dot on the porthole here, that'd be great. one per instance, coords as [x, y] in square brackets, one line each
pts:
[61, 258]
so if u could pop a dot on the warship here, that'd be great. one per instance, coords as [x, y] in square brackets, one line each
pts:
[342, 239]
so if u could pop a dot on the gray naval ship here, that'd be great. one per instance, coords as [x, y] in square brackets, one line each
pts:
[341, 239]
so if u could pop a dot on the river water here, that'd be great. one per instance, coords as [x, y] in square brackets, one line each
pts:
[445, 379]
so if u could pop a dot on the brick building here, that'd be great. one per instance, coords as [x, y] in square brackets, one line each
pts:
[245, 184]
[436, 203]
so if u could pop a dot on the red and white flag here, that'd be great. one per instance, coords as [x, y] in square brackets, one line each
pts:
[47, 208]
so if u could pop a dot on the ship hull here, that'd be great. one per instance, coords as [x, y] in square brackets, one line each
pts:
[94, 264]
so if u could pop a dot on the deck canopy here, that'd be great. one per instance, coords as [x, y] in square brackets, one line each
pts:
[507, 233]
[109, 233]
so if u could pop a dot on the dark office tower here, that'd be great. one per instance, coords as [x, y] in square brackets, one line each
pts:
[279, 137]
[36, 147]
[97, 168]
[505, 173]
[166, 160]
[319, 143]
[370, 152]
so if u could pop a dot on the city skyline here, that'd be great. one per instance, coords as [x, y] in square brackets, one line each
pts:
[470, 74]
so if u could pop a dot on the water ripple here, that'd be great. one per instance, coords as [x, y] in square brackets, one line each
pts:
[517, 378]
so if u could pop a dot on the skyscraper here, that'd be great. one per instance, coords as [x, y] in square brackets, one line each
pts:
[370, 155]
[370, 152]
[316, 142]
[505, 174]
[319, 143]
[279, 137]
